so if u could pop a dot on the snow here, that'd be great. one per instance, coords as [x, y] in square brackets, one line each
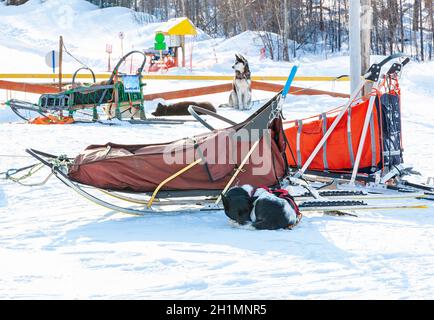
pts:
[55, 244]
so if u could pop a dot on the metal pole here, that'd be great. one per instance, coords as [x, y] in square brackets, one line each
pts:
[329, 131]
[355, 45]
[60, 62]
[363, 136]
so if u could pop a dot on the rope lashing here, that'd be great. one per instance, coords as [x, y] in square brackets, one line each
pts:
[60, 162]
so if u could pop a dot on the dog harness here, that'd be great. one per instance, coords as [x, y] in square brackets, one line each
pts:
[284, 194]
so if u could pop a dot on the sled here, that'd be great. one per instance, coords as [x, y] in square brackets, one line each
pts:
[193, 201]
[141, 175]
[196, 180]
[260, 137]
[362, 137]
[123, 92]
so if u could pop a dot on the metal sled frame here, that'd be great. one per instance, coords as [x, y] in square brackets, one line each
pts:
[46, 158]
[203, 200]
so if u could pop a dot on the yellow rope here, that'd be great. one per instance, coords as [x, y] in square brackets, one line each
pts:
[238, 171]
[191, 165]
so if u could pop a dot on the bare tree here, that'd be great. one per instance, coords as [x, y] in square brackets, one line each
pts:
[318, 26]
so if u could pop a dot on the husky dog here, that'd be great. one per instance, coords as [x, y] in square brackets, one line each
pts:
[180, 108]
[264, 210]
[176, 109]
[241, 94]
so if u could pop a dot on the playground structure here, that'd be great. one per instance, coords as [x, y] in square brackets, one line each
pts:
[164, 56]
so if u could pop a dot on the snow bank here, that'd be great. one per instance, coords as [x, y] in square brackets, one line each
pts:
[3, 201]
[6, 114]
[35, 28]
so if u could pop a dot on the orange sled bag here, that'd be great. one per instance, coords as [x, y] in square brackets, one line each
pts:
[340, 149]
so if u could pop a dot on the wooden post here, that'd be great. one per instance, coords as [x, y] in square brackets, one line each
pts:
[183, 50]
[175, 52]
[160, 61]
[355, 57]
[60, 62]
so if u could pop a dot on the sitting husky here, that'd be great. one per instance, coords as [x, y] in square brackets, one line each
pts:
[180, 108]
[264, 209]
[241, 94]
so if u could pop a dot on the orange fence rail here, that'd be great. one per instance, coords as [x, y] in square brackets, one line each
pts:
[27, 87]
[178, 94]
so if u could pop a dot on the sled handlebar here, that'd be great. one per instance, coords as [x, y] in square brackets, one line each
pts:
[406, 60]
[83, 68]
[124, 58]
[194, 112]
[373, 72]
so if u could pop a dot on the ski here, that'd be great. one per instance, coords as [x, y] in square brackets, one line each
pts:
[419, 186]
[362, 195]
[352, 206]
[338, 207]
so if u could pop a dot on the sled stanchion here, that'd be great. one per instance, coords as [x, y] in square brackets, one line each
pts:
[329, 131]
[193, 110]
[154, 194]
[363, 136]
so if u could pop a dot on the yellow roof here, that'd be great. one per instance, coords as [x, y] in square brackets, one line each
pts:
[179, 26]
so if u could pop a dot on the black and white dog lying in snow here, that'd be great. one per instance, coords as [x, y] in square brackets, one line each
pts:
[265, 209]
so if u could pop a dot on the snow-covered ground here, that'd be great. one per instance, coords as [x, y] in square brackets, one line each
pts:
[54, 244]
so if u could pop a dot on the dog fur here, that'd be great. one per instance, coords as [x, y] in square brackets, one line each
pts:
[271, 212]
[238, 203]
[263, 210]
[181, 108]
[241, 94]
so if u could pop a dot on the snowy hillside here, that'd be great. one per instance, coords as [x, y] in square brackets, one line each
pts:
[30, 31]
[55, 244]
